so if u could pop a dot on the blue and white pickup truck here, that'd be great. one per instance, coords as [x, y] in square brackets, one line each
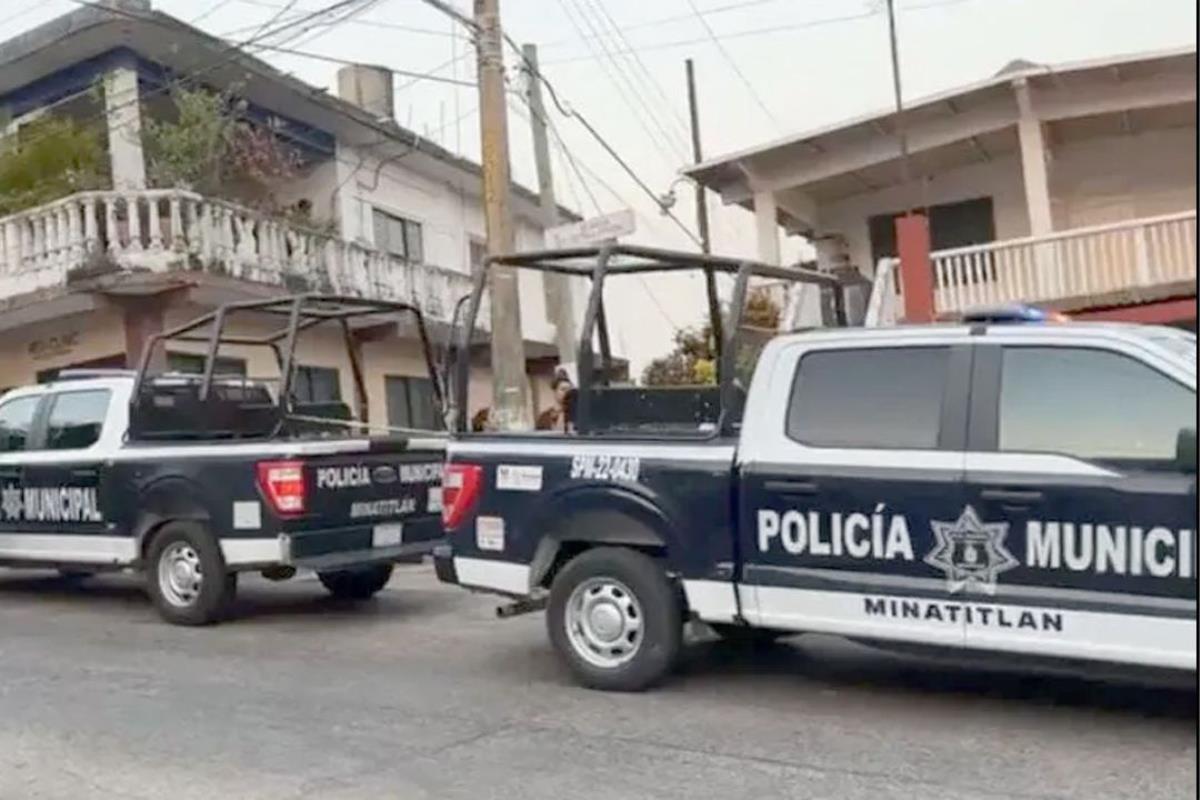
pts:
[1010, 489]
[193, 479]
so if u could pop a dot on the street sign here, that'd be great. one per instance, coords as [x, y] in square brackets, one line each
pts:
[592, 231]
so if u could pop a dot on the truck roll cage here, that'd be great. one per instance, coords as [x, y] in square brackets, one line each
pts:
[232, 405]
[598, 263]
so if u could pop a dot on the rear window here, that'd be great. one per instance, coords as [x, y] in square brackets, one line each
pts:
[884, 398]
[76, 419]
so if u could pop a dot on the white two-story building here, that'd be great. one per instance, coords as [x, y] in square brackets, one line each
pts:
[367, 208]
[1071, 186]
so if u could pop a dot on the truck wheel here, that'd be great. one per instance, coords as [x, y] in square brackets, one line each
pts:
[361, 583]
[615, 619]
[186, 575]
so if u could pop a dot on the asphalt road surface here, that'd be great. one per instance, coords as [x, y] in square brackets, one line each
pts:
[423, 694]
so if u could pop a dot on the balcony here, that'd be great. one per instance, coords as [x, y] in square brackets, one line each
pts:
[169, 230]
[1107, 265]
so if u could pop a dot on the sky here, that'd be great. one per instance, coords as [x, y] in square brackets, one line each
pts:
[765, 68]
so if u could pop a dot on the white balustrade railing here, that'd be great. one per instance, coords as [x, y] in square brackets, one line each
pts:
[170, 229]
[1103, 263]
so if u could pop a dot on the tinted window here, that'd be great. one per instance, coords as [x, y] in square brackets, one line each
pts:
[16, 421]
[886, 398]
[76, 419]
[1090, 404]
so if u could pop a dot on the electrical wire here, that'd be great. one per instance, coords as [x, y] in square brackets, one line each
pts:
[228, 54]
[725, 37]
[417, 76]
[733, 63]
[621, 83]
[214, 8]
[647, 77]
[371, 22]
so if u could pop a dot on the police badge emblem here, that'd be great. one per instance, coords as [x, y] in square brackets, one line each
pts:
[970, 552]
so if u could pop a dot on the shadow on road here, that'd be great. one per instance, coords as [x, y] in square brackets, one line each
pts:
[840, 665]
[257, 599]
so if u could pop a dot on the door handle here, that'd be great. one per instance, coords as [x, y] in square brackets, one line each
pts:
[1015, 496]
[84, 472]
[792, 487]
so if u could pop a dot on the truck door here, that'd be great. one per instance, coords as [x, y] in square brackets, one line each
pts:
[1075, 451]
[64, 481]
[858, 456]
[17, 416]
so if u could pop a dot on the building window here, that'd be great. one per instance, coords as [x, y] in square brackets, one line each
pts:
[876, 399]
[401, 237]
[950, 225]
[76, 419]
[410, 403]
[317, 385]
[193, 364]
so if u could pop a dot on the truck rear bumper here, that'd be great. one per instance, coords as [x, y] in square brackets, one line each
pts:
[336, 548]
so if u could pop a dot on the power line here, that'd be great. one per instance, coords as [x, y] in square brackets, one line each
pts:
[654, 23]
[647, 76]
[417, 76]
[371, 22]
[660, 140]
[814, 23]
[214, 8]
[733, 63]
[227, 54]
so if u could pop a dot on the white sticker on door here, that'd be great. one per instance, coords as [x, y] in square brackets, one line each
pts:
[519, 478]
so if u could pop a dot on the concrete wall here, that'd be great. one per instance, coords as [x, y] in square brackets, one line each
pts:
[1116, 178]
[1092, 182]
[57, 343]
[1001, 179]
[449, 219]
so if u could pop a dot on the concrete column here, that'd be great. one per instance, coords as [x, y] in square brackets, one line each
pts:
[346, 207]
[1033, 162]
[143, 318]
[124, 115]
[767, 225]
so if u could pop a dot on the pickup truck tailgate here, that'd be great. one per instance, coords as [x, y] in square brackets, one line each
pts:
[383, 500]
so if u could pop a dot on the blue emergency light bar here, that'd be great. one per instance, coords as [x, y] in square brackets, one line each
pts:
[1015, 313]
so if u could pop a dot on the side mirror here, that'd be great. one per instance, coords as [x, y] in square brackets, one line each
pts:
[1185, 450]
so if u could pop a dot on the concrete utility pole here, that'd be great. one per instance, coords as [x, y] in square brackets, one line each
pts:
[511, 402]
[559, 301]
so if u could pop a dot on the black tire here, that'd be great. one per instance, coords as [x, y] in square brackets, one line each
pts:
[189, 541]
[360, 583]
[746, 636]
[655, 645]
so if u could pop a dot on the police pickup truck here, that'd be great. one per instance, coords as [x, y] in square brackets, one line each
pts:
[1003, 489]
[195, 478]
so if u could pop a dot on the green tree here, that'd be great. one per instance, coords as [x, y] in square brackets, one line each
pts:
[49, 158]
[694, 360]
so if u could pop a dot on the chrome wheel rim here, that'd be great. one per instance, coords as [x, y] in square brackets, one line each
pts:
[179, 574]
[604, 622]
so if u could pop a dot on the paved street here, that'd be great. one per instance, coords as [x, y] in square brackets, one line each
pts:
[423, 694]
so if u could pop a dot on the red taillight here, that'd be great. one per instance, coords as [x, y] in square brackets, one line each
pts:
[460, 491]
[282, 483]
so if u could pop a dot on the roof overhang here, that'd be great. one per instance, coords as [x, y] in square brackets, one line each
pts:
[966, 125]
